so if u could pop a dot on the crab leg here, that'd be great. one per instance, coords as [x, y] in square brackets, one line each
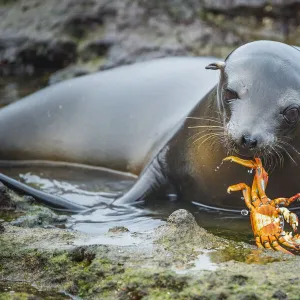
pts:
[265, 242]
[286, 201]
[260, 181]
[275, 245]
[244, 162]
[246, 192]
[285, 239]
[256, 201]
[258, 242]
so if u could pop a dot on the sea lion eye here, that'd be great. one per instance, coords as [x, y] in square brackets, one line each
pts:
[291, 115]
[230, 95]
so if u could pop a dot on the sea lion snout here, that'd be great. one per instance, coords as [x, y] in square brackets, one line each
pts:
[248, 141]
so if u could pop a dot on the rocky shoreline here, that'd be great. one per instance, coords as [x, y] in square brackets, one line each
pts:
[178, 260]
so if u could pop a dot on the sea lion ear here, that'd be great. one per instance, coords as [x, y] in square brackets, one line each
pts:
[219, 65]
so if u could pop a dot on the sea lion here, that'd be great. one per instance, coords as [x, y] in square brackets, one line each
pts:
[171, 123]
[118, 119]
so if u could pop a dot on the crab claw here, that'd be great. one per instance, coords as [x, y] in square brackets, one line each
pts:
[294, 221]
[290, 217]
[244, 162]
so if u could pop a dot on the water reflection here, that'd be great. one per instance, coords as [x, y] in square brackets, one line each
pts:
[85, 187]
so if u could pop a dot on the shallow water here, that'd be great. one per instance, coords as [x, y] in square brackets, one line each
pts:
[84, 186]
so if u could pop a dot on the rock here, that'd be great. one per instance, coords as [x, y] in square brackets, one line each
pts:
[2, 229]
[34, 56]
[118, 230]
[39, 36]
[39, 217]
[182, 232]
[280, 295]
[6, 203]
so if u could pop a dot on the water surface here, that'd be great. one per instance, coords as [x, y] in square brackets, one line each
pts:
[85, 187]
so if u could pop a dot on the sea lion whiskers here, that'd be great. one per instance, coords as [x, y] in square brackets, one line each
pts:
[206, 119]
[277, 154]
[205, 135]
[286, 151]
[288, 144]
[212, 135]
[206, 126]
[207, 130]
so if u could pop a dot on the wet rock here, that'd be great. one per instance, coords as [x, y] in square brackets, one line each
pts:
[118, 230]
[249, 296]
[81, 254]
[182, 231]
[6, 203]
[39, 217]
[1, 226]
[280, 295]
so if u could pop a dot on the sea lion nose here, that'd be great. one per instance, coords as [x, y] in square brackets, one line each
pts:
[249, 142]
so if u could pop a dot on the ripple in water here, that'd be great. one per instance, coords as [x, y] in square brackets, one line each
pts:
[85, 186]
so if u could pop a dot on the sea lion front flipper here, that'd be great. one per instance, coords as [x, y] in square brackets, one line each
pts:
[151, 180]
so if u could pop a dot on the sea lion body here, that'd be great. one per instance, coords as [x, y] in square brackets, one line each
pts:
[119, 119]
[170, 122]
[116, 119]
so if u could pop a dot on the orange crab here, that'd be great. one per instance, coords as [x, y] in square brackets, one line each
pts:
[267, 218]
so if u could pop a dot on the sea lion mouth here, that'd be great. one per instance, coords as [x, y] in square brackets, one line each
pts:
[243, 155]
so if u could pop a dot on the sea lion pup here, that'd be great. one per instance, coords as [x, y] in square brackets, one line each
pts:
[118, 119]
[173, 129]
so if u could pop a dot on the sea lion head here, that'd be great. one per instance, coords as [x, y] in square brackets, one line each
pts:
[259, 99]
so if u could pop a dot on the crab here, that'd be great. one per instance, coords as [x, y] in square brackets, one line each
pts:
[266, 215]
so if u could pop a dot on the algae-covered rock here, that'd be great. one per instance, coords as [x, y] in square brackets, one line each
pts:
[168, 263]
[182, 230]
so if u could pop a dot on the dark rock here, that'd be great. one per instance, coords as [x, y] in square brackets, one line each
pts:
[79, 24]
[280, 295]
[239, 279]
[2, 229]
[95, 49]
[249, 296]
[6, 203]
[29, 56]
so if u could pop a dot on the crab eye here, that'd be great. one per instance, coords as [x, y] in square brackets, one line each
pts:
[291, 115]
[229, 95]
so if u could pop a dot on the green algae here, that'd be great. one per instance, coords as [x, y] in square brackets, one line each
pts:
[49, 259]
[10, 215]
[99, 272]
[23, 291]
